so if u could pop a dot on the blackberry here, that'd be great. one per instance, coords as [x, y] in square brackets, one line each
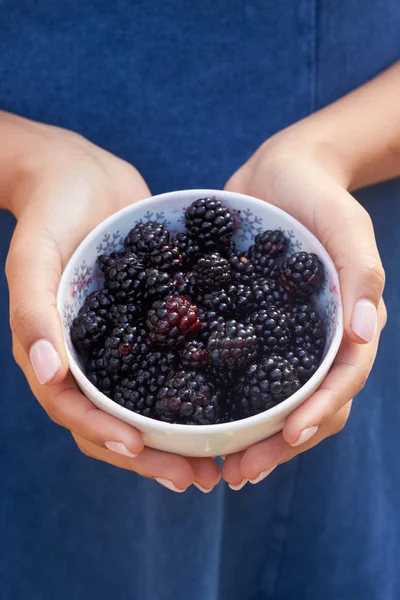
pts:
[99, 302]
[125, 277]
[266, 292]
[185, 285]
[166, 258]
[242, 299]
[266, 384]
[188, 397]
[210, 224]
[87, 330]
[219, 302]
[188, 248]
[307, 329]
[210, 321]
[212, 272]
[194, 356]
[159, 364]
[265, 267]
[271, 328]
[232, 346]
[269, 243]
[301, 274]
[145, 237]
[125, 313]
[138, 393]
[97, 373]
[304, 362]
[125, 348]
[158, 283]
[243, 269]
[171, 321]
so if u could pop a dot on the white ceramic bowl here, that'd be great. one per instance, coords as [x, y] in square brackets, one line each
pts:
[81, 276]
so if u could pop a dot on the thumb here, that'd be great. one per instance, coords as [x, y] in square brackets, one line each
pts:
[33, 271]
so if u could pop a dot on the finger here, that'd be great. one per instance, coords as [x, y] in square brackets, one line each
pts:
[68, 407]
[231, 472]
[262, 458]
[33, 271]
[206, 473]
[170, 470]
[345, 380]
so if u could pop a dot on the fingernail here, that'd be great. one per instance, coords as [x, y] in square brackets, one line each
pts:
[364, 320]
[45, 360]
[263, 475]
[238, 486]
[223, 457]
[305, 435]
[201, 488]
[119, 448]
[168, 484]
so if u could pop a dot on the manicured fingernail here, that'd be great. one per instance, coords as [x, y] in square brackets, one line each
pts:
[263, 475]
[305, 435]
[119, 448]
[168, 484]
[45, 360]
[364, 320]
[201, 488]
[238, 486]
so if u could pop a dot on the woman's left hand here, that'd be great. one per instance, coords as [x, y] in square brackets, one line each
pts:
[291, 173]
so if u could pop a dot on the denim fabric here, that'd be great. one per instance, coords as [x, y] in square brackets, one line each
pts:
[187, 91]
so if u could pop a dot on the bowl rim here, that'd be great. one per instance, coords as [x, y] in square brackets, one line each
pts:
[220, 428]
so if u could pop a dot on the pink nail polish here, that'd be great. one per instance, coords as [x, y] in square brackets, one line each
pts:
[263, 475]
[238, 486]
[168, 484]
[119, 448]
[364, 320]
[305, 435]
[45, 360]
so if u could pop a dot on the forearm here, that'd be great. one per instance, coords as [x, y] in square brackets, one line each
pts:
[359, 135]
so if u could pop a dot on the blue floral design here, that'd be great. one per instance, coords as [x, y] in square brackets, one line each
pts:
[68, 314]
[157, 217]
[329, 318]
[293, 243]
[249, 225]
[111, 242]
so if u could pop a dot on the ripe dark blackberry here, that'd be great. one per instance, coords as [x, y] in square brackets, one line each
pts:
[266, 384]
[242, 299]
[158, 284]
[268, 291]
[88, 329]
[171, 321]
[166, 258]
[301, 274]
[144, 237]
[219, 302]
[188, 248]
[124, 348]
[306, 328]
[99, 302]
[265, 267]
[125, 277]
[159, 364]
[210, 224]
[243, 270]
[188, 397]
[97, 373]
[271, 328]
[125, 313]
[304, 362]
[185, 285]
[232, 346]
[269, 243]
[212, 272]
[138, 393]
[210, 321]
[194, 356]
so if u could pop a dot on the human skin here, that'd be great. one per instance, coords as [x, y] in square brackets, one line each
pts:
[59, 186]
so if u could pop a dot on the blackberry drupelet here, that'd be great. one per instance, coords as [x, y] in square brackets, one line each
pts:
[301, 274]
[306, 328]
[194, 356]
[188, 397]
[210, 224]
[269, 243]
[125, 313]
[242, 299]
[99, 302]
[171, 321]
[97, 373]
[212, 272]
[219, 302]
[144, 237]
[138, 393]
[271, 328]
[125, 278]
[158, 284]
[210, 321]
[166, 258]
[266, 292]
[88, 329]
[232, 346]
[304, 362]
[126, 346]
[188, 249]
[265, 267]
[266, 384]
[243, 270]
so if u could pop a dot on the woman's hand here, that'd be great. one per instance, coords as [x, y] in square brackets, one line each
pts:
[63, 187]
[308, 182]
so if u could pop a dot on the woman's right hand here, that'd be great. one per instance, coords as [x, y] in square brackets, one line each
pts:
[62, 187]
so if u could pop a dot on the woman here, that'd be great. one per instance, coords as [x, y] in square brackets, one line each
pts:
[186, 94]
